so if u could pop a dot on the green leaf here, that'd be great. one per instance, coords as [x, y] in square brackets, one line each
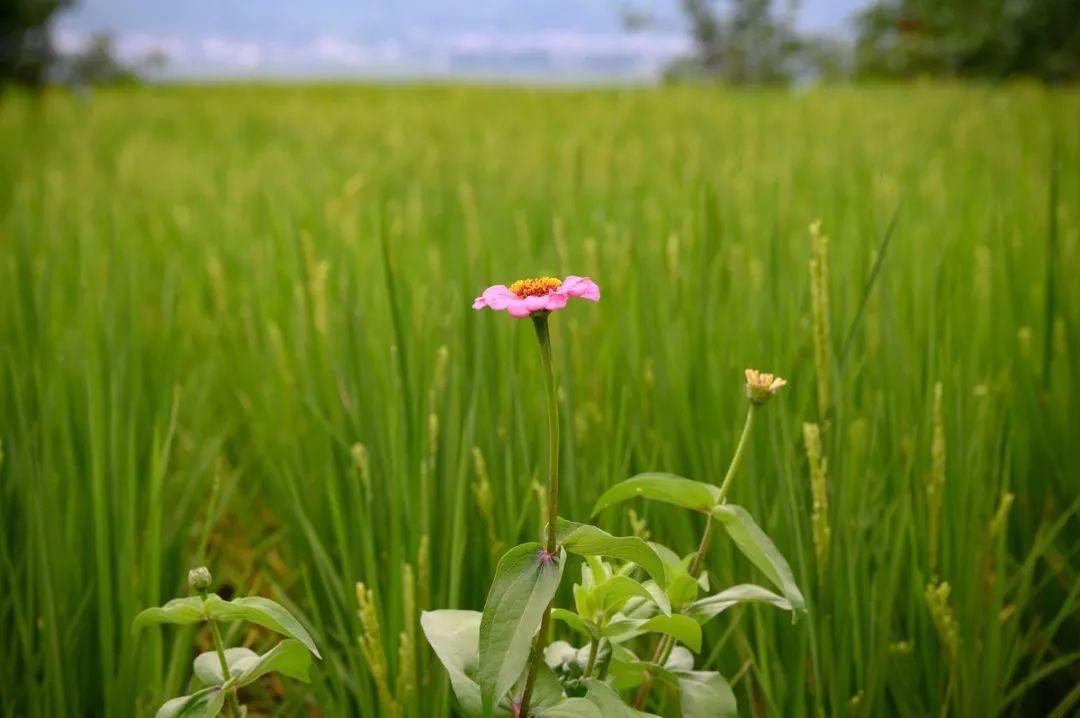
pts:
[179, 610]
[576, 622]
[625, 670]
[669, 488]
[629, 672]
[681, 628]
[586, 540]
[289, 658]
[263, 612]
[761, 551]
[203, 704]
[659, 597]
[711, 606]
[705, 694]
[454, 636]
[523, 588]
[547, 690]
[208, 665]
[682, 588]
[610, 703]
[680, 659]
[612, 594]
[571, 708]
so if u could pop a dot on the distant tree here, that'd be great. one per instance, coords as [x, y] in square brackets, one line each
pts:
[96, 64]
[26, 52]
[748, 42]
[970, 38]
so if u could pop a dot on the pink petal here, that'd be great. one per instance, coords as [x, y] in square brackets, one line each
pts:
[518, 308]
[555, 301]
[582, 287]
[498, 297]
[535, 304]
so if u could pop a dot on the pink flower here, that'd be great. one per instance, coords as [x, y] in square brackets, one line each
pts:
[543, 294]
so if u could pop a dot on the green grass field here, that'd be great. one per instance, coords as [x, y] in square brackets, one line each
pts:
[235, 328]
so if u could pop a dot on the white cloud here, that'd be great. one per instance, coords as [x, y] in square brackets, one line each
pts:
[231, 54]
[548, 54]
[338, 51]
[570, 44]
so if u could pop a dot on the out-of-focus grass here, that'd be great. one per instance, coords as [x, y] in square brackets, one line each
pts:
[239, 285]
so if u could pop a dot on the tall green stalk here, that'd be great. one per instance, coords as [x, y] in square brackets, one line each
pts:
[543, 336]
[667, 643]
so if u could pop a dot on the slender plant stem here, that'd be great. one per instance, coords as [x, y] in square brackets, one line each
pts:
[219, 646]
[540, 322]
[665, 645]
[594, 648]
[543, 336]
[737, 458]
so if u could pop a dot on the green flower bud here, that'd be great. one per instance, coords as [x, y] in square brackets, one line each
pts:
[199, 578]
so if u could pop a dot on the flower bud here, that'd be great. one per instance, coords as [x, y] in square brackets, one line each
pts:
[199, 578]
[760, 386]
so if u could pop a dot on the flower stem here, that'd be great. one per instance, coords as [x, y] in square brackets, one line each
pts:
[219, 646]
[594, 648]
[667, 643]
[543, 336]
[540, 322]
[737, 458]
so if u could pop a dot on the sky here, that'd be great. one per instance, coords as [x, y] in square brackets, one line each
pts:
[539, 39]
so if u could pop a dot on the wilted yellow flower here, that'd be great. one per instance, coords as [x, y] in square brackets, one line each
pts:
[761, 386]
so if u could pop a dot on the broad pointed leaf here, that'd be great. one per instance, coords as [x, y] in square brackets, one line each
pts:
[705, 694]
[547, 691]
[289, 658]
[669, 488]
[681, 628]
[610, 703]
[179, 610]
[761, 551]
[629, 671]
[682, 588]
[576, 622]
[642, 608]
[612, 595]
[208, 665]
[454, 636]
[525, 583]
[586, 540]
[678, 627]
[711, 606]
[263, 612]
[571, 708]
[680, 659]
[202, 704]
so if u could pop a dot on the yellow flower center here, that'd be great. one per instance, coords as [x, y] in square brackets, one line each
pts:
[537, 287]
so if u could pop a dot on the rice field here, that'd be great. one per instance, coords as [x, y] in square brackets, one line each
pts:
[236, 330]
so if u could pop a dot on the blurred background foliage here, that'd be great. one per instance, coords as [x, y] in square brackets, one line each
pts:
[236, 327]
[734, 41]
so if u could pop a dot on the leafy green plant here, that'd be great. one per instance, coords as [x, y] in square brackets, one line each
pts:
[502, 662]
[221, 673]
